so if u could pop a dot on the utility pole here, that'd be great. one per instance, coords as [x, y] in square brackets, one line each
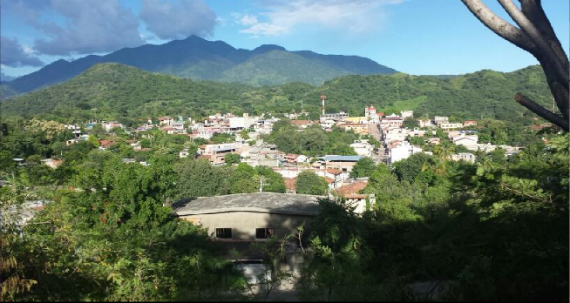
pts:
[261, 183]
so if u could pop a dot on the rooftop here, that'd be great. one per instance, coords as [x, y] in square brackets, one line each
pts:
[341, 158]
[274, 203]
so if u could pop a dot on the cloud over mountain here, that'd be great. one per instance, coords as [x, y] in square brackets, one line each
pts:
[12, 54]
[175, 19]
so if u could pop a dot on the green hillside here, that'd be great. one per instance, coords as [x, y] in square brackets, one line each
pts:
[6, 92]
[276, 67]
[114, 91]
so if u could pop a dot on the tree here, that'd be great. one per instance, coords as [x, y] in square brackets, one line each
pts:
[244, 180]
[310, 184]
[410, 123]
[232, 158]
[363, 168]
[273, 181]
[536, 36]
[94, 141]
[198, 178]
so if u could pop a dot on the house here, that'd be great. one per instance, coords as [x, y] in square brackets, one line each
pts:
[469, 141]
[434, 140]
[217, 152]
[352, 193]
[391, 121]
[361, 129]
[401, 150]
[407, 114]
[295, 159]
[450, 125]
[362, 148]
[342, 163]
[106, 144]
[108, 126]
[467, 123]
[235, 221]
[440, 119]
[302, 123]
[165, 121]
[426, 123]
[53, 163]
[469, 157]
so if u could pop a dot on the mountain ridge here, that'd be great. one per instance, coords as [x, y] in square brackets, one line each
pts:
[200, 59]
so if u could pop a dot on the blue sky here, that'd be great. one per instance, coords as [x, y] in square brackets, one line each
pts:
[412, 36]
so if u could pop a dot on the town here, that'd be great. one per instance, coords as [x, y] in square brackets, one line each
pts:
[382, 138]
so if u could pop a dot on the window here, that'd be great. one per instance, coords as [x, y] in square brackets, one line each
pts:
[263, 233]
[223, 233]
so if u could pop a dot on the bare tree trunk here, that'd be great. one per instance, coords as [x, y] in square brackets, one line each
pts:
[537, 37]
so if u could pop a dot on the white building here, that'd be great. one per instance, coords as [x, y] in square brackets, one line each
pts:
[450, 125]
[469, 141]
[407, 114]
[469, 157]
[362, 148]
[391, 121]
[402, 151]
[243, 122]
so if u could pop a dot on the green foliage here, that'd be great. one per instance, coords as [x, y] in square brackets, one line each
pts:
[310, 184]
[198, 178]
[363, 168]
[232, 158]
[113, 91]
[244, 180]
[313, 141]
[272, 181]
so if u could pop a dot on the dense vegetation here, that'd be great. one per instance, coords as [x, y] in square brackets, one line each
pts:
[496, 230]
[312, 141]
[112, 91]
[493, 230]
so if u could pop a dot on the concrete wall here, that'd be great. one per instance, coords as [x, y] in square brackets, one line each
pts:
[243, 224]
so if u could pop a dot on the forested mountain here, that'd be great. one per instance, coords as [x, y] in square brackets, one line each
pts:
[199, 59]
[115, 91]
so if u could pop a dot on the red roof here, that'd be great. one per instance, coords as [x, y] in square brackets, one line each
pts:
[329, 180]
[334, 171]
[291, 183]
[106, 143]
[380, 114]
[301, 122]
[352, 188]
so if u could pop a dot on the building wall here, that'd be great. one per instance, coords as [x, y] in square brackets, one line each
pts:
[243, 224]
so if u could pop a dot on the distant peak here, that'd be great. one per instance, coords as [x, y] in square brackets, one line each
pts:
[268, 47]
[194, 37]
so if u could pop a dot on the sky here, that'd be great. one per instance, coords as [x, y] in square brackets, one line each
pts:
[420, 37]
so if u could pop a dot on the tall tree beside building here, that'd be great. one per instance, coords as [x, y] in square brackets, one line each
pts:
[363, 168]
[310, 184]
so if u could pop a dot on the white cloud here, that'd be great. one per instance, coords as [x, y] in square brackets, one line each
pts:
[248, 20]
[356, 16]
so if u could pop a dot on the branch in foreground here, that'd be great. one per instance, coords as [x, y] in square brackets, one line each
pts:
[541, 111]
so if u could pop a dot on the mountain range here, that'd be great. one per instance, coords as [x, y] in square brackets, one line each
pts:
[199, 59]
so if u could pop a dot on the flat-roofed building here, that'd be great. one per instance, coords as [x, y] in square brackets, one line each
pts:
[249, 217]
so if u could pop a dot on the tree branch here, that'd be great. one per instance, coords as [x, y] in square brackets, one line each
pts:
[532, 9]
[533, 33]
[541, 111]
[498, 25]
